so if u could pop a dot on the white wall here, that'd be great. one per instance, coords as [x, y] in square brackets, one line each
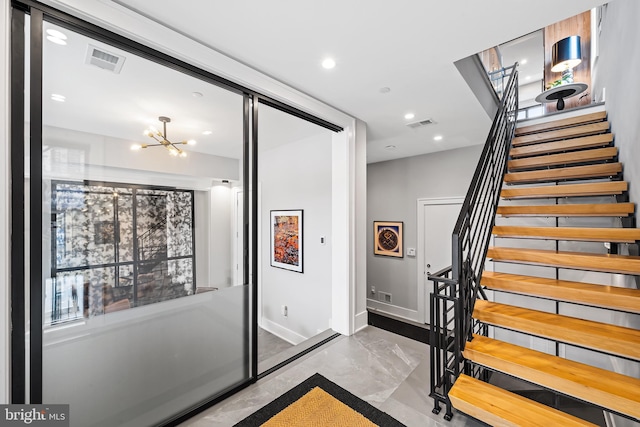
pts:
[221, 224]
[5, 24]
[528, 92]
[297, 175]
[393, 188]
[111, 159]
[361, 317]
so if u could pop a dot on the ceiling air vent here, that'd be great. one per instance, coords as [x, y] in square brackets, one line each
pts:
[103, 59]
[420, 123]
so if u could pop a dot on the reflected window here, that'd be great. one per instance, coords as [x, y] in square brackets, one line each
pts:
[116, 247]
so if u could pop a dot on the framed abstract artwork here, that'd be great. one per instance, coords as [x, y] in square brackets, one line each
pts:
[387, 238]
[286, 240]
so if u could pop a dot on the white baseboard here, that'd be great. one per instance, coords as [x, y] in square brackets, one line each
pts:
[280, 331]
[361, 321]
[395, 310]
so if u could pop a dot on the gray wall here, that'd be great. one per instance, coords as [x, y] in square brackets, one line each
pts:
[393, 188]
[616, 70]
[616, 73]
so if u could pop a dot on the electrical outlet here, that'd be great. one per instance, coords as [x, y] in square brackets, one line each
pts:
[373, 290]
[384, 297]
[284, 310]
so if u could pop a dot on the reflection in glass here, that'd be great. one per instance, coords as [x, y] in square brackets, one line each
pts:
[140, 249]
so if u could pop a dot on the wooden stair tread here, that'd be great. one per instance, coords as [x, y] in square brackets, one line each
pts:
[583, 209]
[556, 124]
[564, 133]
[496, 406]
[604, 388]
[598, 336]
[583, 156]
[582, 143]
[568, 190]
[558, 174]
[604, 296]
[622, 264]
[618, 235]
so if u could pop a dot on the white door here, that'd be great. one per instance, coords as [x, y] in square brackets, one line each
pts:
[436, 219]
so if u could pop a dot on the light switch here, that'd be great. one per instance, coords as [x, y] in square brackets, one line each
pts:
[411, 251]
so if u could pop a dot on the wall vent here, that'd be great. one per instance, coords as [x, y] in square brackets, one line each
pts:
[384, 297]
[420, 123]
[103, 59]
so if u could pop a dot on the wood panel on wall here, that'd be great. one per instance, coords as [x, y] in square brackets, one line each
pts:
[579, 25]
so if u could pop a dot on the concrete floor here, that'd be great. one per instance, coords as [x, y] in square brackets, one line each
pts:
[389, 371]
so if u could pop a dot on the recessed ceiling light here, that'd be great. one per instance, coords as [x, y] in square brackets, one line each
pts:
[57, 34]
[197, 94]
[528, 78]
[56, 37]
[390, 147]
[58, 97]
[409, 116]
[207, 132]
[437, 138]
[56, 40]
[524, 61]
[328, 63]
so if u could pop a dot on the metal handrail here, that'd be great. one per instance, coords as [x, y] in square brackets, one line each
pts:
[457, 288]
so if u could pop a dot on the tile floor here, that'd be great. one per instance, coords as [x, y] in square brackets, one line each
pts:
[270, 345]
[389, 371]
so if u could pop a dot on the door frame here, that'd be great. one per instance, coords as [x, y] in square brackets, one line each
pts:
[420, 271]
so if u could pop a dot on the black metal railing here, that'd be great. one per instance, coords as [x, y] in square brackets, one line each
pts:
[457, 287]
[148, 247]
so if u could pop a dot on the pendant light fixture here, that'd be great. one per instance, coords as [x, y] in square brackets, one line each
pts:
[161, 138]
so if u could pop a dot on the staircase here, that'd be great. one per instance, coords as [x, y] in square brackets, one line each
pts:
[562, 178]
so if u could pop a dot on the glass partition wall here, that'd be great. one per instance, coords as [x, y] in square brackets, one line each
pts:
[134, 172]
[295, 193]
[135, 216]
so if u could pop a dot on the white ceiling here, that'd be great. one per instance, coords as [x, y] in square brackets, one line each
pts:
[408, 46]
[123, 105]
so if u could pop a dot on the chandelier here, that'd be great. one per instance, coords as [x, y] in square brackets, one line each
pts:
[161, 138]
